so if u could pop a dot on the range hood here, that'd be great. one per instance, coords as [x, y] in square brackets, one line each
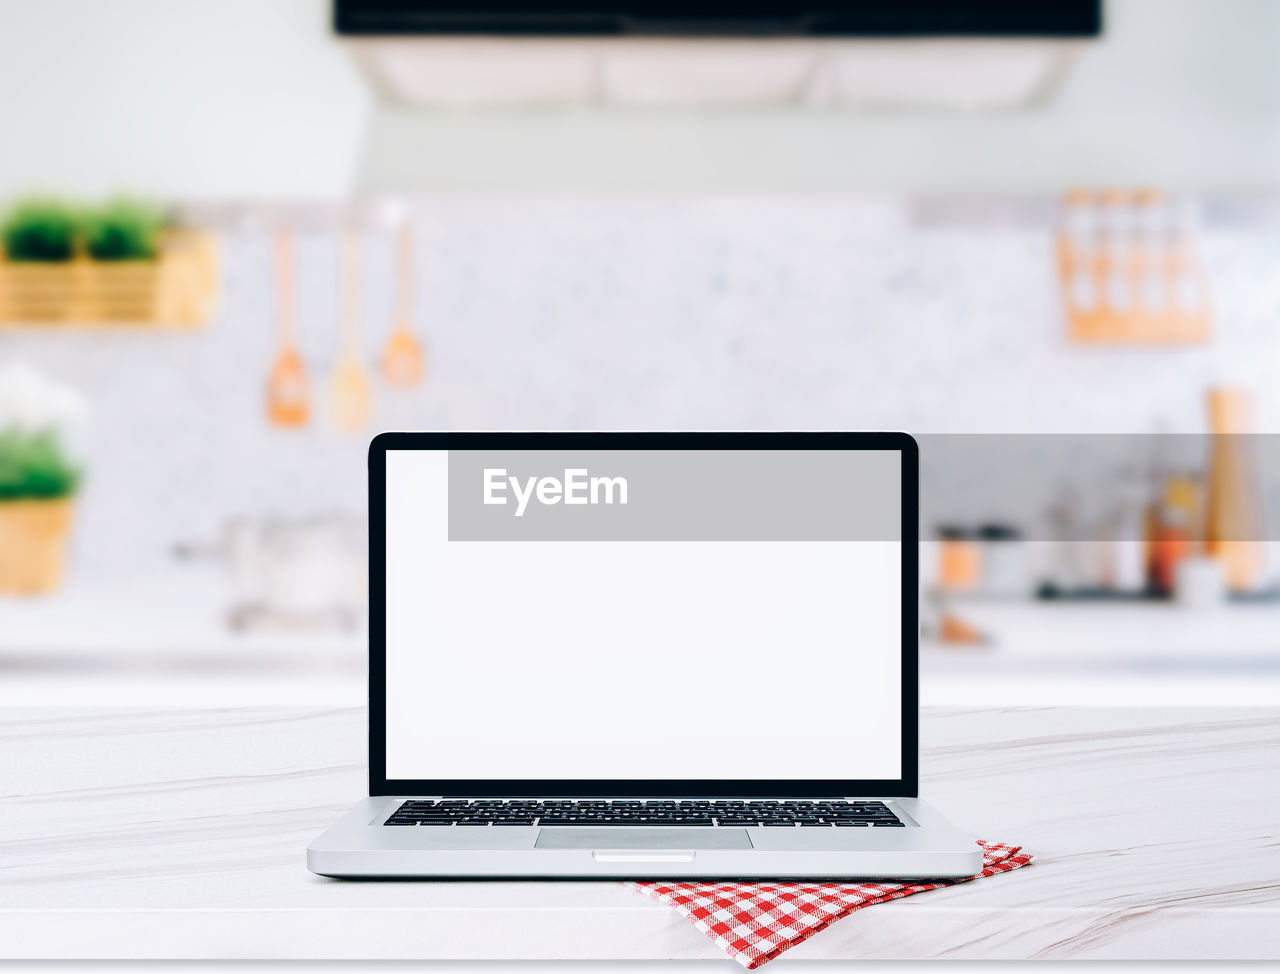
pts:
[950, 54]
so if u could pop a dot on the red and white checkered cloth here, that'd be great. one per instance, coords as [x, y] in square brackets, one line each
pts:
[755, 922]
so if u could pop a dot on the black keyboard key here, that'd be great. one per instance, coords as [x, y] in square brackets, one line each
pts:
[637, 822]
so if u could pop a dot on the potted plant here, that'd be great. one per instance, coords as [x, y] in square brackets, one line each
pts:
[119, 262]
[38, 480]
[39, 235]
[124, 241]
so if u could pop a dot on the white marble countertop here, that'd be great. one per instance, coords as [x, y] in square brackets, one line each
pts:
[180, 834]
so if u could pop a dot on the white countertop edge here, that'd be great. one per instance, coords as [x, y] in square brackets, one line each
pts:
[884, 932]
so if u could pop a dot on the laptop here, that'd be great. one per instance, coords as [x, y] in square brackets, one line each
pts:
[643, 655]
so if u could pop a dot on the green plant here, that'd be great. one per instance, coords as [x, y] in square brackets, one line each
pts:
[40, 229]
[124, 229]
[34, 466]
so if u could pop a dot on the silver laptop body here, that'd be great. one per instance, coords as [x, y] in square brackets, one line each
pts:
[643, 655]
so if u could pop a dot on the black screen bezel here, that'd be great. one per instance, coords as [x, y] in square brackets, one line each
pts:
[905, 786]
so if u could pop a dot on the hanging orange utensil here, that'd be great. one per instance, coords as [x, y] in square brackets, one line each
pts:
[288, 391]
[351, 394]
[403, 359]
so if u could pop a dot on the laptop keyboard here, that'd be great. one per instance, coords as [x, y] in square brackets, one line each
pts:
[517, 811]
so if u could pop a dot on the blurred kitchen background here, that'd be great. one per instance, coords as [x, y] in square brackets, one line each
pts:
[239, 243]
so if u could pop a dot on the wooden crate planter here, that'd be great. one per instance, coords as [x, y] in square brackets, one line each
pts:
[33, 544]
[175, 290]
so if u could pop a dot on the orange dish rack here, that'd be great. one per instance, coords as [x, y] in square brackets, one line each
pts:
[1130, 269]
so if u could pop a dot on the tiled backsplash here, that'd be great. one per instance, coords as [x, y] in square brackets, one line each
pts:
[633, 313]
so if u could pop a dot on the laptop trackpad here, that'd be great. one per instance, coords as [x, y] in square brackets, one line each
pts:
[620, 837]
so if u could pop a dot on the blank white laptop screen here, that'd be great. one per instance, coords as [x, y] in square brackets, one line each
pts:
[643, 614]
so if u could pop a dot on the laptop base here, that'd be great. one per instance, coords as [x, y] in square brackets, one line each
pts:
[360, 846]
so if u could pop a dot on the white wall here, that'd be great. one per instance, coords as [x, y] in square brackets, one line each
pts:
[215, 98]
[195, 98]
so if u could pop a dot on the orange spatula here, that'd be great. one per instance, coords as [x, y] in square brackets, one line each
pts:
[288, 392]
[351, 394]
[403, 359]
